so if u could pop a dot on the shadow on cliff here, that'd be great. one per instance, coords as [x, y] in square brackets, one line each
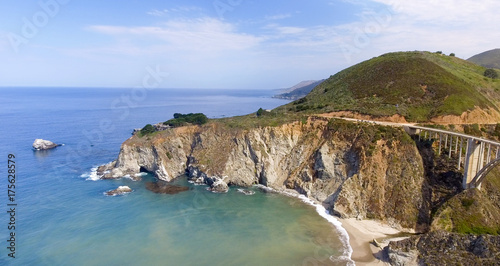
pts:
[442, 182]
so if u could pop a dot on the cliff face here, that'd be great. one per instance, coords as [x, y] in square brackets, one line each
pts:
[355, 170]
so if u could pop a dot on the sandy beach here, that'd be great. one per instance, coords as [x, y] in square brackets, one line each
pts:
[361, 233]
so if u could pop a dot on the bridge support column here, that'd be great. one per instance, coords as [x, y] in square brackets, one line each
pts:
[440, 139]
[412, 131]
[474, 160]
[451, 147]
[460, 152]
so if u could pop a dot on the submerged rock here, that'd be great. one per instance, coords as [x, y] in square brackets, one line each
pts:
[119, 191]
[163, 188]
[41, 144]
[246, 191]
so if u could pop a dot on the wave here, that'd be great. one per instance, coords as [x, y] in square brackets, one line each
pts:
[92, 176]
[344, 236]
[196, 183]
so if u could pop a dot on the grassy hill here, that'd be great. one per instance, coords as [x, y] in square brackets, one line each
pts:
[416, 85]
[489, 59]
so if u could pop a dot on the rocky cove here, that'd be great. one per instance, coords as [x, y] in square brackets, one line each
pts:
[355, 170]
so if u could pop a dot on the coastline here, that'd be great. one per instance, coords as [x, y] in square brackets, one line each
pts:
[361, 234]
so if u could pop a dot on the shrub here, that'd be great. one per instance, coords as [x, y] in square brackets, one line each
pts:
[260, 112]
[452, 54]
[184, 119]
[490, 73]
[148, 129]
[496, 132]
[467, 203]
[473, 130]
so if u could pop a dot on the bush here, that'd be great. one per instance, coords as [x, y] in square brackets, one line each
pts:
[439, 52]
[452, 54]
[147, 129]
[490, 73]
[184, 119]
[260, 112]
[496, 132]
[467, 203]
[473, 130]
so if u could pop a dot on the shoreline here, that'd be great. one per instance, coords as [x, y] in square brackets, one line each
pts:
[357, 235]
[361, 234]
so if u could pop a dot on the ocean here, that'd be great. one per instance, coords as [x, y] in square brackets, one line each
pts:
[57, 213]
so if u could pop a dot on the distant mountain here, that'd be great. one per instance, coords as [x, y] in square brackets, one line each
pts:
[298, 91]
[489, 59]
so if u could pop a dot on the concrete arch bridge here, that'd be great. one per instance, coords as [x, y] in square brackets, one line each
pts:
[477, 156]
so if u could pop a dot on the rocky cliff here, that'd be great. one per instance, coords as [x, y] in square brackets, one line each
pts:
[354, 169]
[444, 248]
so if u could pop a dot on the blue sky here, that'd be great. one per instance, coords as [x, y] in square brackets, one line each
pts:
[239, 44]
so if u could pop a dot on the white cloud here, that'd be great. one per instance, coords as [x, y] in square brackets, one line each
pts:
[461, 26]
[284, 30]
[279, 16]
[205, 34]
[446, 11]
[180, 9]
[157, 13]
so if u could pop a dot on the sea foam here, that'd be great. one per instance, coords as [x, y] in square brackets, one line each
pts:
[92, 175]
[344, 236]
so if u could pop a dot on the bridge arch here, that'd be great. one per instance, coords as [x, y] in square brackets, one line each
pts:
[480, 157]
[481, 175]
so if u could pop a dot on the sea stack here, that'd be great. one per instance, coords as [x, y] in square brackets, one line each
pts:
[41, 144]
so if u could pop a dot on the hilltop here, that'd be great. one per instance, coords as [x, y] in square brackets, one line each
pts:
[419, 86]
[489, 59]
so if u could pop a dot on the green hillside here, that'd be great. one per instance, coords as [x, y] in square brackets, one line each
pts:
[472, 211]
[489, 59]
[416, 85]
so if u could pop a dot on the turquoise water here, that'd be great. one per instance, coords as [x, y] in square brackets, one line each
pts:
[63, 218]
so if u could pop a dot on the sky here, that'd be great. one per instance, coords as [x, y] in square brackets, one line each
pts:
[231, 44]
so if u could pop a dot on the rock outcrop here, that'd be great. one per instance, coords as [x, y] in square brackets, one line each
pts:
[443, 248]
[119, 191]
[219, 186]
[41, 144]
[355, 170]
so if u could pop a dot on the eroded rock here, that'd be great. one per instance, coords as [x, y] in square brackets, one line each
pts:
[219, 186]
[41, 144]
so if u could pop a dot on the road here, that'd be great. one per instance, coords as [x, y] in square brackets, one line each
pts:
[410, 125]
